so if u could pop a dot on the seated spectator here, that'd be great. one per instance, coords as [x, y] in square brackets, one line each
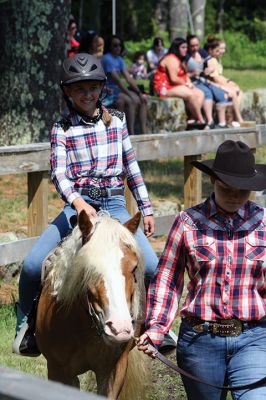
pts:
[72, 43]
[222, 50]
[88, 42]
[125, 98]
[138, 69]
[91, 43]
[213, 48]
[172, 76]
[198, 70]
[100, 47]
[155, 54]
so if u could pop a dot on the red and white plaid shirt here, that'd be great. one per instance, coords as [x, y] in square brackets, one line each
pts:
[225, 259]
[93, 154]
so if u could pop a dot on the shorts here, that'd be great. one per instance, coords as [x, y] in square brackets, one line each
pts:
[110, 95]
[212, 92]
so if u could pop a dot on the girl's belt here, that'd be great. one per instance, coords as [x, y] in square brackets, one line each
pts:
[221, 327]
[94, 192]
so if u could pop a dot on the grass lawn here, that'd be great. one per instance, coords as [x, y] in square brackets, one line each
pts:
[247, 79]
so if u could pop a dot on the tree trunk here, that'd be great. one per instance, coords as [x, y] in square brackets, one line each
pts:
[178, 18]
[220, 17]
[198, 16]
[161, 15]
[32, 46]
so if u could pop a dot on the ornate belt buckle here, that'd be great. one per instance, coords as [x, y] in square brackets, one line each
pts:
[94, 192]
[237, 327]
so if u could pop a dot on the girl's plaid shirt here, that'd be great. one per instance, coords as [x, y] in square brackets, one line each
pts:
[93, 154]
[225, 259]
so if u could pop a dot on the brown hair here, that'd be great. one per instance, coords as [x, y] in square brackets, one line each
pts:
[106, 117]
[212, 43]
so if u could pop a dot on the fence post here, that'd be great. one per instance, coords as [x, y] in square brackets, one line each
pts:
[37, 202]
[192, 182]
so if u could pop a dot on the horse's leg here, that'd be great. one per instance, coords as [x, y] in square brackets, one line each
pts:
[57, 373]
[110, 383]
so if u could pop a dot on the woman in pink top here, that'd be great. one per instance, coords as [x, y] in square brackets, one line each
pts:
[172, 74]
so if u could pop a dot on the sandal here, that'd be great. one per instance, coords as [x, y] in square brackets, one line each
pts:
[211, 125]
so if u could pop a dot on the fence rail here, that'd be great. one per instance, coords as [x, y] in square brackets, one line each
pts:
[33, 159]
[15, 385]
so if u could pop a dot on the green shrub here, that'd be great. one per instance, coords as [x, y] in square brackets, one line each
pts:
[142, 45]
[242, 53]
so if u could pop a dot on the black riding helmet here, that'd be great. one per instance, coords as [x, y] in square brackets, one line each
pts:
[82, 67]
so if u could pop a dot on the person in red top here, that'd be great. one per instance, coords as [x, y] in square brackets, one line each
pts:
[72, 43]
[221, 244]
[172, 75]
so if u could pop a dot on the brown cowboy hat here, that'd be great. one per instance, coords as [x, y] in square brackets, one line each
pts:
[234, 164]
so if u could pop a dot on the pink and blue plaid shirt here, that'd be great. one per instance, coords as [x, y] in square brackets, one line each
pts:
[93, 154]
[225, 259]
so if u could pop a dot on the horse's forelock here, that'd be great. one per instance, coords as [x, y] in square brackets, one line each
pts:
[77, 266]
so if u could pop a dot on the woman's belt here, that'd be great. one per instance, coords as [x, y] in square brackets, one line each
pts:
[94, 192]
[221, 327]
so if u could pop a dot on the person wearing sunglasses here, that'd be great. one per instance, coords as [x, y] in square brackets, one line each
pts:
[123, 92]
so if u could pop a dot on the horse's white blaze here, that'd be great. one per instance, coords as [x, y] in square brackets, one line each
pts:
[75, 267]
[119, 321]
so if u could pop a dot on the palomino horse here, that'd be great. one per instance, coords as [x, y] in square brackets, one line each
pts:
[92, 305]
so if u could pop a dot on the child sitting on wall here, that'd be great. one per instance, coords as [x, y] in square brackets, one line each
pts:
[138, 69]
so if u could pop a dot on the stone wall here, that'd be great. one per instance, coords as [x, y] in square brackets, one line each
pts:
[253, 106]
[165, 115]
[168, 115]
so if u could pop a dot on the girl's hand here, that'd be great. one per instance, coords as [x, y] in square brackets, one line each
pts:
[208, 71]
[148, 223]
[81, 204]
[143, 345]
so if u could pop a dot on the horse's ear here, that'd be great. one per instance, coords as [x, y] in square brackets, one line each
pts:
[85, 225]
[133, 223]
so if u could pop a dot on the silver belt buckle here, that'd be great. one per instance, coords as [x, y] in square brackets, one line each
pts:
[94, 192]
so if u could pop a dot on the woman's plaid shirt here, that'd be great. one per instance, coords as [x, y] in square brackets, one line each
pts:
[225, 259]
[93, 154]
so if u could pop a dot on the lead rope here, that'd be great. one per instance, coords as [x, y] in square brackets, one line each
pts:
[181, 371]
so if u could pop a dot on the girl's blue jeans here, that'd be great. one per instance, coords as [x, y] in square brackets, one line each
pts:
[223, 360]
[30, 276]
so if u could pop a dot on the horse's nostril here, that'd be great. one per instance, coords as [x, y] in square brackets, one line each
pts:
[111, 326]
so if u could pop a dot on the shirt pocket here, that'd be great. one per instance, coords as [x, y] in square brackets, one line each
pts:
[204, 250]
[255, 249]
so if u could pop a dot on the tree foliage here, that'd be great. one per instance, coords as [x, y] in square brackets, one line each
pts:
[138, 20]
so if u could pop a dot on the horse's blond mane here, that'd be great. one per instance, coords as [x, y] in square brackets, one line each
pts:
[74, 266]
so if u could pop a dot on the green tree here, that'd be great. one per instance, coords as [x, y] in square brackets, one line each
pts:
[32, 46]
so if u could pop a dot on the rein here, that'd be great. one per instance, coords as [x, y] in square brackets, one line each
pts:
[181, 371]
[97, 318]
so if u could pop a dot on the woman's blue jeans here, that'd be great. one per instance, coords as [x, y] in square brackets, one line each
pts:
[30, 276]
[223, 361]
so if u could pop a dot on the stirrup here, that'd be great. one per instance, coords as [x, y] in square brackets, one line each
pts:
[25, 342]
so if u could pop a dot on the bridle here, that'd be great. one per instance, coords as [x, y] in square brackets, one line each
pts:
[96, 318]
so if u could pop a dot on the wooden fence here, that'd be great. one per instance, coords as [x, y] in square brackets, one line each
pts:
[33, 159]
[15, 385]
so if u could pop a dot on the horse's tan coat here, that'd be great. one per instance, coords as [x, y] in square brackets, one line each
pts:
[66, 335]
